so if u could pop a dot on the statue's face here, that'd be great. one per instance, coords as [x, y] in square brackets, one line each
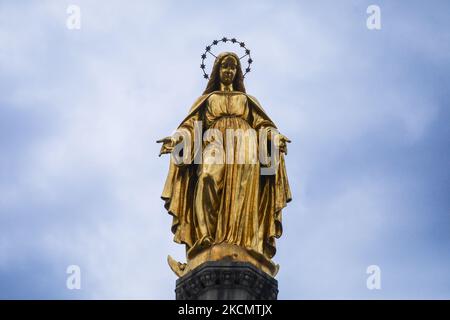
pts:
[228, 70]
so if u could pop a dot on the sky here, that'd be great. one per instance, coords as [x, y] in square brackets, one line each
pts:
[367, 111]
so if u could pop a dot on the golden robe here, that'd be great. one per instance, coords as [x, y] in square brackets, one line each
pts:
[228, 202]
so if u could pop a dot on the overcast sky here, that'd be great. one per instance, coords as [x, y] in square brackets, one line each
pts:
[367, 112]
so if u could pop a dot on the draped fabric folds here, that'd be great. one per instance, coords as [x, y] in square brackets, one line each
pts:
[230, 201]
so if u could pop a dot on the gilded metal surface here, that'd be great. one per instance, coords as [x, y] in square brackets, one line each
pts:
[226, 209]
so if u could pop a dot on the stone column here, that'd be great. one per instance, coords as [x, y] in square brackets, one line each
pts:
[226, 280]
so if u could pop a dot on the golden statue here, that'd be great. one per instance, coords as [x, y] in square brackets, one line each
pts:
[223, 205]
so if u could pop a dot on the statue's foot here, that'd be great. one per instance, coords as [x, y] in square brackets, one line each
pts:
[207, 242]
[199, 246]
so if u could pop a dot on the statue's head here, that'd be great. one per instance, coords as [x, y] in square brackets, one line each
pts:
[227, 70]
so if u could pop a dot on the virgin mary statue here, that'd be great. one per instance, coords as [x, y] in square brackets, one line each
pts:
[224, 205]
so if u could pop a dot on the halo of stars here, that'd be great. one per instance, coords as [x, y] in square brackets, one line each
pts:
[224, 40]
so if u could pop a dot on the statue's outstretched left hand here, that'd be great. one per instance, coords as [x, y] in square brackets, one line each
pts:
[281, 142]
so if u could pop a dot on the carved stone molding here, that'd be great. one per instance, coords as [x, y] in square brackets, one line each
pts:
[226, 280]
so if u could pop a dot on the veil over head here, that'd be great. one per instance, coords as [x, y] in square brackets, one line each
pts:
[214, 79]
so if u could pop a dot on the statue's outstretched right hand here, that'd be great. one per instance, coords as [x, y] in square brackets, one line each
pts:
[168, 143]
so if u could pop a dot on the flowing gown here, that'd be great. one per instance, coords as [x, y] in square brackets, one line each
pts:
[224, 199]
[227, 192]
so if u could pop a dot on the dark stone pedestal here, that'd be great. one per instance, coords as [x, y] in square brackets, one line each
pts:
[226, 280]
